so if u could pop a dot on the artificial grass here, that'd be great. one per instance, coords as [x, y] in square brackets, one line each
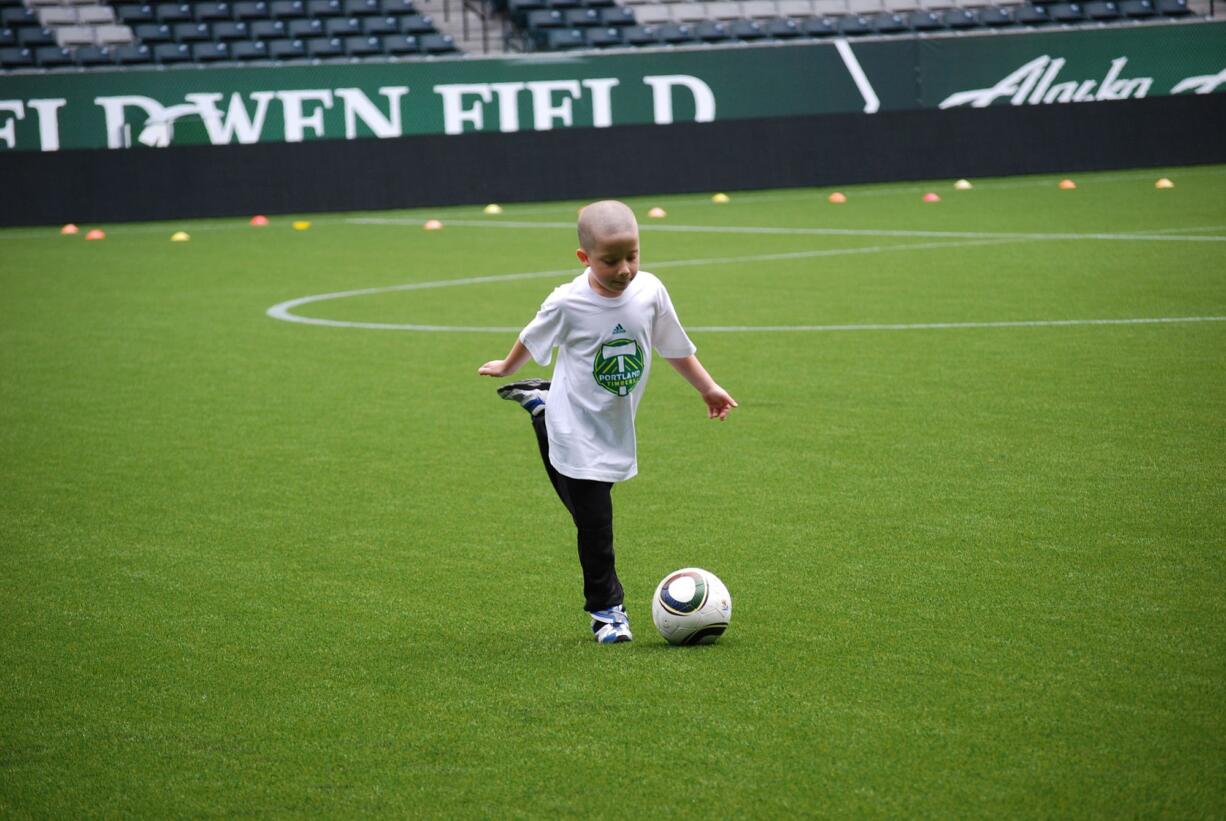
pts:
[254, 567]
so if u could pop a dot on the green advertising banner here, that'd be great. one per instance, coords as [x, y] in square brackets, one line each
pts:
[126, 109]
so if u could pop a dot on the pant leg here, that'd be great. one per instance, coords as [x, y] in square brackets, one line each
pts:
[590, 505]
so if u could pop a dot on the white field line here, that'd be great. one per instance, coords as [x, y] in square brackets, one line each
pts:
[817, 232]
[283, 311]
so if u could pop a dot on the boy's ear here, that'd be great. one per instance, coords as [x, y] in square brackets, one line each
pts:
[583, 257]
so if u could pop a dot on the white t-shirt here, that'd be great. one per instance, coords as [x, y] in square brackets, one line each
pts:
[604, 358]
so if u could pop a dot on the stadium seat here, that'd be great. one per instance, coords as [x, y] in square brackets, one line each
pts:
[286, 49]
[689, 13]
[723, 11]
[152, 33]
[1137, 9]
[172, 53]
[560, 39]
[249, 50]
[287, 9]
[306, 27]
[213, 11]
[401, 44]
[1032, 15]
[268, 29]
[1102, 10]
[889, 22]
[996, 16]
[782, 28]
[829, 8]
[35, 37]
[617, 16]
[16, 17]
[396, 6]
[865, 8]
[641, 35]
[380, 25]
[581, 18]
[342, 27]
[7, 38]
[52, 57]
[174, 12]
[95, 15]
[16, 58]
[73, 36]
[361, 8]
[819, 27]
[251, 10]
[322, 47]
[227, 30]
[712, 31]
[677, 33]
[135, 54]
[438, 44]
[603, 37]
[746, 30]
[795, 9]
[113, 35]
[760, 9]
[325, 8]
[600, 4]
[191, 32]
[855, 25]
[93, 56]
[960, 18]
[563, 5]
[136, 13]
[1066, 12]
[363, 46]
[545, 19]
[416, 24]
[1173, 8]
[210, 52]
[656, 14]
[518, 10]
[57, 16]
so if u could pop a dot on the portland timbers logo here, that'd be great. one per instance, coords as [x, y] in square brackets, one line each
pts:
[618, 366]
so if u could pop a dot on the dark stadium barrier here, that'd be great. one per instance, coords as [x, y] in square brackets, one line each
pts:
[272, 178]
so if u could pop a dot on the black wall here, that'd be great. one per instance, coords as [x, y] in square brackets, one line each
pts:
[206, 181]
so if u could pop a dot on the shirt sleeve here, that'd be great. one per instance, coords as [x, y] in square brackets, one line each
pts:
[667, 336]
[542, 333]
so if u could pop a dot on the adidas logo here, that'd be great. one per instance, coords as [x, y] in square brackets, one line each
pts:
[619, 329]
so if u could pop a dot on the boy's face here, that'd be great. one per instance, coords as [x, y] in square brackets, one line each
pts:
[614, 262]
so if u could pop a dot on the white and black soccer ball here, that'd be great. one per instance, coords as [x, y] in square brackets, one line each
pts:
[691, 606]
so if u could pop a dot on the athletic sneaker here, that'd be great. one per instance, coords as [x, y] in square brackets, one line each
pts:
[611, 626]
[531, 393]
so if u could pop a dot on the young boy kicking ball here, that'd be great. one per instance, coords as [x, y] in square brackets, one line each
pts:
[604, 324]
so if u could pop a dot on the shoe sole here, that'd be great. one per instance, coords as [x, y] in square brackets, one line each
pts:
[506, 391]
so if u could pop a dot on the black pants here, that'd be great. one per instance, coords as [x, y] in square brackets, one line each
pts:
[591, 506]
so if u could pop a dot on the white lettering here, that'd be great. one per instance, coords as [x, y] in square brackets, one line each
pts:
[359, 106]
[238, 122]
[544, 111]
[113, 108]
[455, 115]
[662, 97]
[48, 122]
[8, 131]
[602, 102]
[508, 105]
[296, 120]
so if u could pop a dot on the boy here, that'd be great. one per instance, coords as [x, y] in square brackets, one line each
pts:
[604, 323]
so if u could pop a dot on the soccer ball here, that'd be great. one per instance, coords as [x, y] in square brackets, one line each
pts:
[691, 606]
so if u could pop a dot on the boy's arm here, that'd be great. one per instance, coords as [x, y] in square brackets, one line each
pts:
[514, 360]
[719, 402]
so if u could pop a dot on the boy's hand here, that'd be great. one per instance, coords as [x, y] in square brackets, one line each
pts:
[495, 367]
[719, 402]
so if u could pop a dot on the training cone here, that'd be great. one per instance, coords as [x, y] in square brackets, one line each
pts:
[1067, 185]
[180, 236]
[931, 197]
[70, 229]
[493, 208]
[96, 233]
[259, 221]
[657, 213]
[720, 199]
[1164, 183]
[838, 198]
[963, 185]
[433, 225]
[302, 225]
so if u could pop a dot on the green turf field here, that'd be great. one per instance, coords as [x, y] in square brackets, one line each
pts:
[249, 566]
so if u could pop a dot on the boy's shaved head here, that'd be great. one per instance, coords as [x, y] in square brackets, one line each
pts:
[607, 218]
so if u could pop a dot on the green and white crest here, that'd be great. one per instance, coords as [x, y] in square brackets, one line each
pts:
[618, 366]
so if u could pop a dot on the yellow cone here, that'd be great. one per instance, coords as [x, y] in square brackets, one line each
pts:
[433, 225]
[720, 199]
[302, 225]
[657, 213]
[1164, 183]
[963, 185]
[1067, 185]
[837, 198]
[180, 236]
[493, 208]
